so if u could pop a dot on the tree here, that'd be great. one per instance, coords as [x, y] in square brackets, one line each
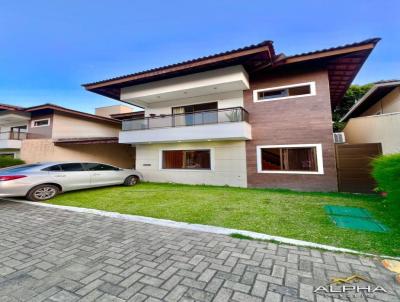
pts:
[353, 94]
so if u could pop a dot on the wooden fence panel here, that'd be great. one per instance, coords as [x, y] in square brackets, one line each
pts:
[353, 163]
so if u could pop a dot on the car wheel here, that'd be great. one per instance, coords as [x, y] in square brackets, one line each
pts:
[131, 180]
[43, 192]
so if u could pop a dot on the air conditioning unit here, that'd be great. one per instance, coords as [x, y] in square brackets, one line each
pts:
[339, 138]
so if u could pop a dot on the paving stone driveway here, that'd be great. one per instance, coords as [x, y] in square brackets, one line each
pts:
[49, 254]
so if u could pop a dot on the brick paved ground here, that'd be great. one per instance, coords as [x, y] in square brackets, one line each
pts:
[51, 254]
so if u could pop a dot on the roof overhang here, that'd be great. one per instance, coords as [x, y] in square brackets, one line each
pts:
[250, 57]
[72, 112]
[220, 80]
[342, 63]
[86, 140]
[376, 93]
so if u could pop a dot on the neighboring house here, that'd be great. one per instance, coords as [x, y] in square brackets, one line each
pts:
[53, 133]
[375, 118]
[119, 112]
[246, 117]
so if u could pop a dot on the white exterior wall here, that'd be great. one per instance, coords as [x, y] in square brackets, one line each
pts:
[228, 161]
[383, 129]
[225, 100]
[199, 84]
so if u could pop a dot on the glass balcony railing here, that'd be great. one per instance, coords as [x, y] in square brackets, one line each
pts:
[217, 116]
[13, 135]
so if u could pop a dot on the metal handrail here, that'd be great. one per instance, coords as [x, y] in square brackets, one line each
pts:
[203, 117]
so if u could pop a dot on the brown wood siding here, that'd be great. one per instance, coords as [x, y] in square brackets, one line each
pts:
[354, 167]
[304, 120]
[40, 132]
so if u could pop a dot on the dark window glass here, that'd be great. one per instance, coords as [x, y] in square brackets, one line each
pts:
[99, 167]
[197, 114]
[289, 159]
[53, 168]
[41, 123]
[21, 168]
[195, 108]
[73, 167]
[7, 155]
[186, 159]
[299, 90]
[280, 93]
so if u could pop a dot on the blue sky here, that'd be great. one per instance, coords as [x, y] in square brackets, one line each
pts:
[48, 48]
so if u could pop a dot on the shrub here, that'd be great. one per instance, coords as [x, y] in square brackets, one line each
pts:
[8, 162]
[386, 171]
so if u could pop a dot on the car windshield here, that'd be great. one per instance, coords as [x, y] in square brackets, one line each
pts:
[19, 168]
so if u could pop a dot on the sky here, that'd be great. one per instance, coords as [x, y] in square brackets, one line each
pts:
[49, 48]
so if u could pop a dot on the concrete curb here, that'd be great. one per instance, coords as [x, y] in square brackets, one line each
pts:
[200, 228]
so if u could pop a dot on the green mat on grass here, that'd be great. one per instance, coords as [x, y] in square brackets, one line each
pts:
[360, 224]
[347, 211]
[354, 218]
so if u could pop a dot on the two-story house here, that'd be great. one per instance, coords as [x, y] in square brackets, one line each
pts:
[247, 117]
[53, 133]
[375, 118]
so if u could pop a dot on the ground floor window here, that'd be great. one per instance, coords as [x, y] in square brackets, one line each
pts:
[300, 159]
[7, 155]
[186, 159]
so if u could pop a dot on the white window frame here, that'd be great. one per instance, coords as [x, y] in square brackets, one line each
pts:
[320, 161]
[39, 120]
[212, 159]
[313, 91]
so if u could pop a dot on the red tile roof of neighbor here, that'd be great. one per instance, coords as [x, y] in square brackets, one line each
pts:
[54, 107]
[9, 107]
[343, 63]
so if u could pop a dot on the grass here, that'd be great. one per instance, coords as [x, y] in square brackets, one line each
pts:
[297, 215]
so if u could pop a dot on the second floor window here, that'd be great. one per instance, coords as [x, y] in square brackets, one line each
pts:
[284, 92]
[41, 123]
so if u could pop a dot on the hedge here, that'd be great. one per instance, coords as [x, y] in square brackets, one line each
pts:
[8, 162]
[386, 171]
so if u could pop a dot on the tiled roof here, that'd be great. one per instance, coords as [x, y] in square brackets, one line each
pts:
[8, 106]
[71, 111]
[386, 81]
[372, 40]
[58, 108]
[264, 43]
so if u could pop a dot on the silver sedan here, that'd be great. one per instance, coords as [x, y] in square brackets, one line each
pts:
[43, 181]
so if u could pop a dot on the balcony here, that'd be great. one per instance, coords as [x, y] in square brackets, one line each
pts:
[220, 124]
[12, 139]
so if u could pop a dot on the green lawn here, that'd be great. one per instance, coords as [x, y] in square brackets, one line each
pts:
[285, 213]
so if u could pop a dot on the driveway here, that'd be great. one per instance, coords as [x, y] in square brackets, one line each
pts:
[49, 254]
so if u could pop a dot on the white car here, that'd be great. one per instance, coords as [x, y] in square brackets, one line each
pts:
[43, 181]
